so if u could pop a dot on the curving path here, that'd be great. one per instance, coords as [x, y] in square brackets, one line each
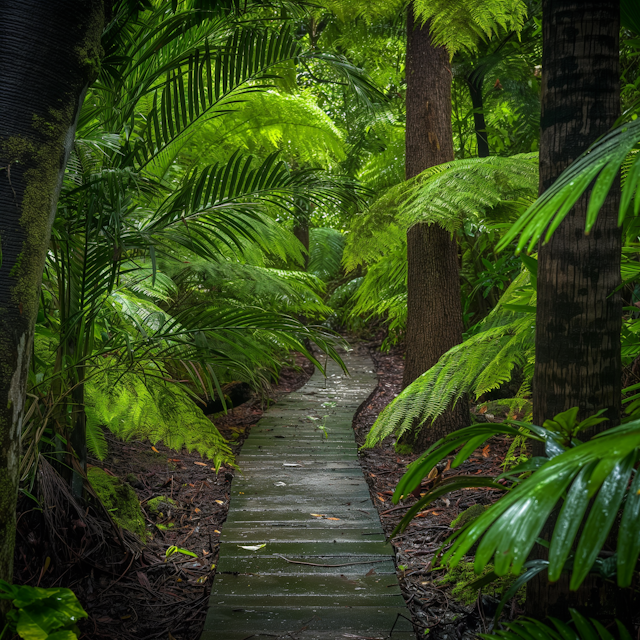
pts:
[325, 571]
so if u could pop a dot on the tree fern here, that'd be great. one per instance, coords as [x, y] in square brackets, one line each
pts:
[448, 194]
[483, 362]
[142, 405]
[455, 24]
[462, 24]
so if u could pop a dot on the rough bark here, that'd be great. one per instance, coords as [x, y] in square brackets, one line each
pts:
[475, 89]
[579, 314]
[50, 53]
[434, 312]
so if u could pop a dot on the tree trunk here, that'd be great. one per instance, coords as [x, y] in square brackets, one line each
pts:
[434, 312]
[50, 53]
[301, 232]
[579, 314]
[475, 89]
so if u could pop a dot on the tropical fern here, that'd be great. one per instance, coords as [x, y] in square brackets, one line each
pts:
[462, 24]
[455, 24]
[503, 341]
[143, 405]
[383, 293]
[325, 252]
[448, 194]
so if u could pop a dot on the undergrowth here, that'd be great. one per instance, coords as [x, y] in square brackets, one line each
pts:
[462, 576]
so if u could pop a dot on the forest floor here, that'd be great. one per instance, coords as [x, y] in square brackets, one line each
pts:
[153, 596]
[439, 601]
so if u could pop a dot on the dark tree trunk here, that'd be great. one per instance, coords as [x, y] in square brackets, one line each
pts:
[579, 314]
[301, 232]
[475, 89]
[434, 312]
[50, 53]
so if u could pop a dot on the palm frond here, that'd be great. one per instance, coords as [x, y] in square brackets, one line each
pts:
[582, 629]
[600, 163]
[325, 252]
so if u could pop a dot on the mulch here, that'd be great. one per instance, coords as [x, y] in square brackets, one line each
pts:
[431, 604]
[149, 596]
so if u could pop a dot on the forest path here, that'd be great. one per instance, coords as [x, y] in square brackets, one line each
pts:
[304, 497]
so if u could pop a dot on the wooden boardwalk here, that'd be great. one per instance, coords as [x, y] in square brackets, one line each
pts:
[325, 571]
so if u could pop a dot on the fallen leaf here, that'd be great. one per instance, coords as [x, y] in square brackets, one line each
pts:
[155, 449]
[333, 518]
[205, 553]
[316, 515]
[253, 547]
[143, 580]
[197, 510]
[215, 531]
[202, 464]
[220, 501]
[240, 493]
[381, 498]
[485, 452]
[448, 465]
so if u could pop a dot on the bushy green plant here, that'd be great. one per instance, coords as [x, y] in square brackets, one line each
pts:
[41, 614]
[593, 482]
[485, 360]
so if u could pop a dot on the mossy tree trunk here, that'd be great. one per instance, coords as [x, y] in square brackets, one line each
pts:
[50, 53]
[579, 310]
[434, 310]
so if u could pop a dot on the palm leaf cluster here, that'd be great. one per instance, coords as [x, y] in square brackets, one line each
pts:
[589, 481]
[583, 629]
[169, 272]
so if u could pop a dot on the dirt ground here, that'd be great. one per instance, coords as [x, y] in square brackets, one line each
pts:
[150, 596]
[430, 600]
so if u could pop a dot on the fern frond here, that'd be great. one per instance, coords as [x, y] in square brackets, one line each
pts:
[448, 194]
[142, 405]
[383, 293]
[484, 361]
[463, 24]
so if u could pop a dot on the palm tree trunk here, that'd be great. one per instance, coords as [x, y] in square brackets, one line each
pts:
[579, 312]
[50, 53]
[434, 311]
